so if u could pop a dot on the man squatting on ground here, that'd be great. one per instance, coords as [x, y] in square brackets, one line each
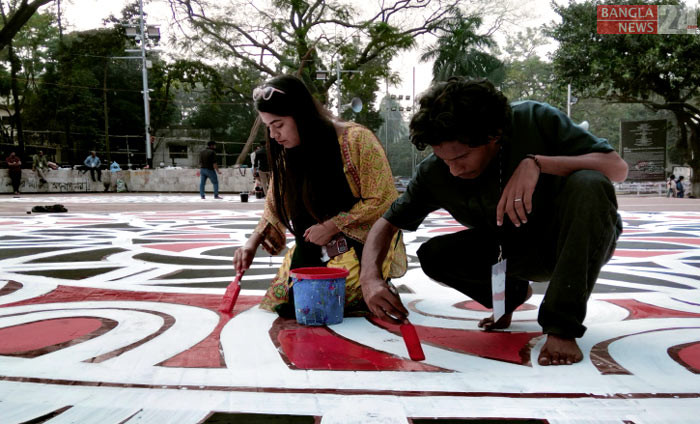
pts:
[490, 159]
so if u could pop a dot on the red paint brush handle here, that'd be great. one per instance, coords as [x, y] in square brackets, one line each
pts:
[231, 295]
[410, 337]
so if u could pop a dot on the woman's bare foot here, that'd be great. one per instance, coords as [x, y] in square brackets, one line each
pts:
[487, 323]
[559, 351]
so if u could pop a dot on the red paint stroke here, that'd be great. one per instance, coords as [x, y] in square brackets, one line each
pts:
[181, 247]
[687, 355]
[472, 305]
[319, 348]
[10, 222]
[625, 253]
[690, 217]
[681, 240]
[448, 229]
[601, 358]
[10, 287]
[640, 310]
[193, 236]
[513, 347]
[205, 354]
[41, 334]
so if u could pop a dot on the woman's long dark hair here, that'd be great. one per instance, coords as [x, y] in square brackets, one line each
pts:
[307, 179]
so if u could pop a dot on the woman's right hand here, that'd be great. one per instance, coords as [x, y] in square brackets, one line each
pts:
[242, 258]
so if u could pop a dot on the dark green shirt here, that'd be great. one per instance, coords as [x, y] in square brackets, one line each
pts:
[537, 129]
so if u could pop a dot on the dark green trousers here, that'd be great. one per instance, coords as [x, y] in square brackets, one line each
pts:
[570, 235]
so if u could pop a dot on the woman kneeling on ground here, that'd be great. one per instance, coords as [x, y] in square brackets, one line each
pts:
[330, 182]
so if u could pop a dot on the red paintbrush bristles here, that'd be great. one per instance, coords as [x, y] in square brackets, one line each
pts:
[231, 295]
[410, 337]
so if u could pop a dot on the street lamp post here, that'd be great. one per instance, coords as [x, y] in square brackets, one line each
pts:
[144, 33]
[323, 74]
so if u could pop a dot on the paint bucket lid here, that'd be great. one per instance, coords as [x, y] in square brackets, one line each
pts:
[318, 273]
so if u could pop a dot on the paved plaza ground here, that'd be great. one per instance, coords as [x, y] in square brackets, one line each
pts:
[108, 314]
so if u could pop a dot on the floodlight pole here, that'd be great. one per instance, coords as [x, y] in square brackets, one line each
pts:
[146, 105]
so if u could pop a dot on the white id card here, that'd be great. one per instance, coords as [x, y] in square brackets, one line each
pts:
[498, 289]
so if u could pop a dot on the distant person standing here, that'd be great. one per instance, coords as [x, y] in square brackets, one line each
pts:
[261, 167]
[208, 169]
[92, 163]
[40, 165]
[671, 190]
[14, 166]
[680, 189]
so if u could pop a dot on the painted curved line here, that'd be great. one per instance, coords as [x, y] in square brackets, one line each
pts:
[10, 287]
[688, 355]
[105, 326]
[603, 361]
[371, 359]
[412, 307]
[351, 392]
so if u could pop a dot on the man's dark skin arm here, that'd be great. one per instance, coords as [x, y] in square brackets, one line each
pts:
[384, 304]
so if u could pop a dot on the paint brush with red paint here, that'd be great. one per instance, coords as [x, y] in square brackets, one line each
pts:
[408, 331]
[410, 337]
[231, 295]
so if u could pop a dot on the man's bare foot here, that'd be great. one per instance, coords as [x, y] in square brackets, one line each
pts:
[487, 323]
[559, 351]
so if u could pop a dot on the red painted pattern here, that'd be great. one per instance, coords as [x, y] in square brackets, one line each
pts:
[181, 247]
[640, 310]
[690, 356]
[41, 334]
[511, 347]
[319, 348]
[472, 305]
[454, 229]
[624, 253]
[193, 236]
[205, 354]
[10, 222]
[682, 240]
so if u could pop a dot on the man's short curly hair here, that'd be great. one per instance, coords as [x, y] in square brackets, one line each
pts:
[468, 111]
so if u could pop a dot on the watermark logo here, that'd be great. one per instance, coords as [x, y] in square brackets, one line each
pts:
[646, 19]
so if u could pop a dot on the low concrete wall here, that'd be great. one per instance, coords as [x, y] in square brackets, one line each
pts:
[66, 180]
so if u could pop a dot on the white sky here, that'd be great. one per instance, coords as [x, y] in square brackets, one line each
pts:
[87, 14]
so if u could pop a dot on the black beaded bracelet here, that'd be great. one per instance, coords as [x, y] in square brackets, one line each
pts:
[537, 162]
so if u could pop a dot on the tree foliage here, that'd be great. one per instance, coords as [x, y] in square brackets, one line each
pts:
[460, 51]
[658, 71]
[18, 14]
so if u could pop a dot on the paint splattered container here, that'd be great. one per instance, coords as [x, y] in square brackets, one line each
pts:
[319, 295]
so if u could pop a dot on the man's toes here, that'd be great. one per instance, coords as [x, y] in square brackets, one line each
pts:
[486, 322]
[544, 359]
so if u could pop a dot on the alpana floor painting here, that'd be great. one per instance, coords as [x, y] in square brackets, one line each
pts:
[112, 318]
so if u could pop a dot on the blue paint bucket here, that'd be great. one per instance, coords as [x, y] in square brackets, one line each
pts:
[319, 295]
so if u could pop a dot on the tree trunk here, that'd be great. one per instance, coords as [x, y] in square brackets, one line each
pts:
[106, 113]
[249, 142]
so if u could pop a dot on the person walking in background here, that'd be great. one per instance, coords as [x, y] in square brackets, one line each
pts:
[330, 182]
[680, 189]
[208, 169]
[261, 167]
[40, 166]
[92, 163]
[14, 167]
[671, 190]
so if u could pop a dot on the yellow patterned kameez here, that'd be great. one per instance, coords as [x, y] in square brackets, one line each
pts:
[369, 177]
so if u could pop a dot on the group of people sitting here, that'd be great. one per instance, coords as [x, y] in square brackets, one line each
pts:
[41, 165]
[533, 188]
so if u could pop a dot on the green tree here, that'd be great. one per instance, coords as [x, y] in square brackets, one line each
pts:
[298, 36]
[459, 51]
[18, 14]
[527, 76]
[657, 71]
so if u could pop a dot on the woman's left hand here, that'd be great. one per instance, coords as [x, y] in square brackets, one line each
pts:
[321, 234]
